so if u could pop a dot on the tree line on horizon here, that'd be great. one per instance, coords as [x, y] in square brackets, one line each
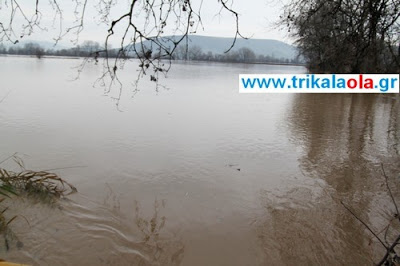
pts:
[192, 53]
[335, 36]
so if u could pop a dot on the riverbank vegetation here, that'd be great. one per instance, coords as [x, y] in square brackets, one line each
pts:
[42, 186]
[346, 36]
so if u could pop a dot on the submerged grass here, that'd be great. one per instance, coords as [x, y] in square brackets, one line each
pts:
[42, 185]
[34, 183]
[39, 183]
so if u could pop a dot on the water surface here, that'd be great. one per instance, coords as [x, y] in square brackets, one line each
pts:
[195, 173]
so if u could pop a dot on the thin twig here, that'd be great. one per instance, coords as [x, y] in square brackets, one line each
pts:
[361, 221]
[390, 191]
[5, 96]
[390, 249]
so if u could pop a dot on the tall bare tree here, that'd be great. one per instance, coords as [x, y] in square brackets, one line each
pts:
[346, 36]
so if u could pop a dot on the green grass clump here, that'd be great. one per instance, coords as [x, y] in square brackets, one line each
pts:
[35, 183]
[45, 186]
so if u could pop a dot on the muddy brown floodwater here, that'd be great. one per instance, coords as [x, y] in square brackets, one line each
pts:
[197, 174]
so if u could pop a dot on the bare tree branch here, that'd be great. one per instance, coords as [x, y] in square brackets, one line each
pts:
[390, 192]
[141, 29]
[366, 226]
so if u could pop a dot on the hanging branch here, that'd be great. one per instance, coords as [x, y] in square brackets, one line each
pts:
[366, 226]
[390, 255]
[140, 30]
[390, 191]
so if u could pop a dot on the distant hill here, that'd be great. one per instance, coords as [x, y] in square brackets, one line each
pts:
[218, 45]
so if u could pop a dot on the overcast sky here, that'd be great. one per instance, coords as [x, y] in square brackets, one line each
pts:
[257, 18]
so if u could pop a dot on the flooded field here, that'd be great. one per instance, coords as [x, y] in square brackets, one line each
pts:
[195, 173]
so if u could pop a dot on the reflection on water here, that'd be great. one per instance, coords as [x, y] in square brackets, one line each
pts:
[161, 183]
[158, 251]
[345, 138]
[105, 238]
